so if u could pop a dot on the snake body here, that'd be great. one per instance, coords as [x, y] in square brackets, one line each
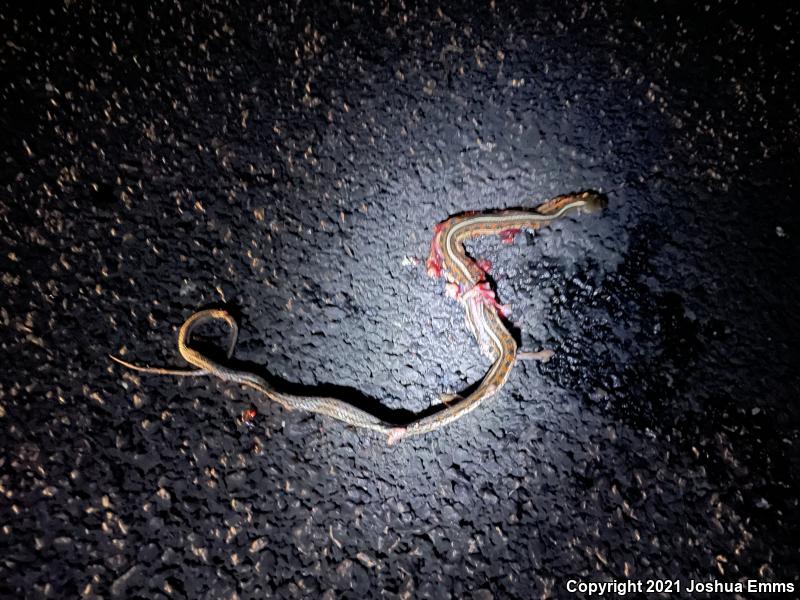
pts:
[332, 407]
[466, 282]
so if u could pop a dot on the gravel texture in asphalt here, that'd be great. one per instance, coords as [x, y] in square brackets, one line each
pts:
[287, 161]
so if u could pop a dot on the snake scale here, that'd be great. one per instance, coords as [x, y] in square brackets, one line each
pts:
[466, 282]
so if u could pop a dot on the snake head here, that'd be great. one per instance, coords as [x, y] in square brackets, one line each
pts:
[594, 202]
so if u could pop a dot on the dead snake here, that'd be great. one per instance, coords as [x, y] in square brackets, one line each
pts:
[466, 282]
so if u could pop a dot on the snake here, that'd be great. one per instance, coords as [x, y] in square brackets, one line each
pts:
[466, 282]
[332, 407]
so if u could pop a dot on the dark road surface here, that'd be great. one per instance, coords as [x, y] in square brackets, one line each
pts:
[288, 163]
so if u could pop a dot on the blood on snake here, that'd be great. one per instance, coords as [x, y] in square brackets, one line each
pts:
[466, 282]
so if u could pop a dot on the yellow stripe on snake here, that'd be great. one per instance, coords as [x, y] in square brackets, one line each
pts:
[466, 282]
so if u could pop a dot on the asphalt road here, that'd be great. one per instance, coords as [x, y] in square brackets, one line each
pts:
[288, 161]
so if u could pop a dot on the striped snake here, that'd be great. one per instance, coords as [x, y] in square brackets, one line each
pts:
[466, 282]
